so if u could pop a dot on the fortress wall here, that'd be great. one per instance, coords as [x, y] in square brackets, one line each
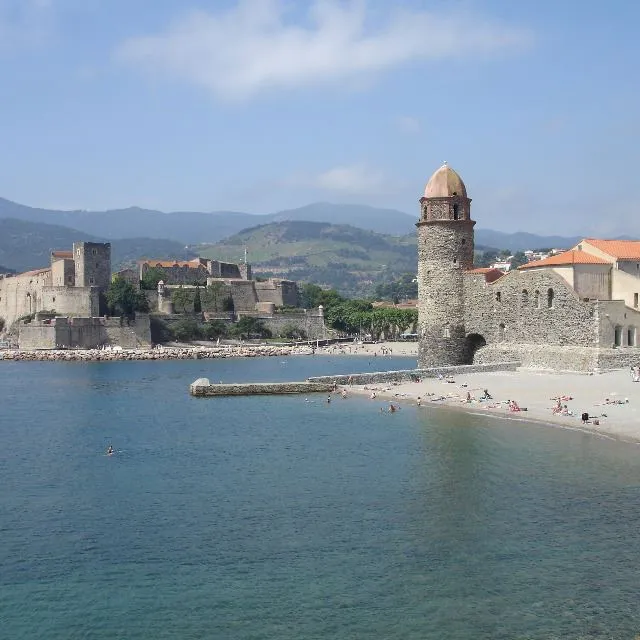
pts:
[85, 333]
[280, 292]
[244, 295]
[310, 322]
[569, 322]
[73, 301]
[21, 295]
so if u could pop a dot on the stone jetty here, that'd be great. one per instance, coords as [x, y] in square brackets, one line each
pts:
[202, 388]
[163, 353]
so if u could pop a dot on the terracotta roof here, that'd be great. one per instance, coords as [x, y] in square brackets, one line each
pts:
[620, 249]
[481, 270]
[193, 264]
[67, 255]
[566, 258]
[35, 272]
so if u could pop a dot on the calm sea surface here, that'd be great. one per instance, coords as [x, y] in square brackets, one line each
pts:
[276, 518]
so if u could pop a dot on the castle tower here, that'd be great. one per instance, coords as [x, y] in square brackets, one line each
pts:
[445, 251]
[92, 264]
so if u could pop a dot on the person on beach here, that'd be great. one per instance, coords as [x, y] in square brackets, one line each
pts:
[419, 401]
[110, 450]
[486, 395]
[344, 394]
[328, 399]
[372, 396]
[392, 408]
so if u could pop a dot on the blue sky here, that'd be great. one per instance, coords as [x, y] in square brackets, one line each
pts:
[262, 105]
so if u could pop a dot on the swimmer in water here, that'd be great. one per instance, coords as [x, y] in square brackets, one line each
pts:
[110, 451]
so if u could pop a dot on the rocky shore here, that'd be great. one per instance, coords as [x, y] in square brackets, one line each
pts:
[163, 353]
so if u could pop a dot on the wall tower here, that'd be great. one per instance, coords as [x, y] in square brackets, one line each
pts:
[445, 251]
[93, 264]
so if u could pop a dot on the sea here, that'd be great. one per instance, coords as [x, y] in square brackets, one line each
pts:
[292, 518]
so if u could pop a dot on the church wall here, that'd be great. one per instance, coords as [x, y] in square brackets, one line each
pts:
[592, 281]
[525, 316]
[624, 287]
[613, 314]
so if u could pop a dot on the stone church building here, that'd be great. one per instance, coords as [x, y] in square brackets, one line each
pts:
[576, 311]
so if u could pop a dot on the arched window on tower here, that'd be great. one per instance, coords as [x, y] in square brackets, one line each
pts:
[456, 212]
[550, 299]
[498, 297]
[525, 297]
[502, 332]
[536, 299]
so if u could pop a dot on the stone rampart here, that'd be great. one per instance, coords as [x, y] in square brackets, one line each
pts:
[85, 333]
[203, 388]
[413, 375]
[309, 321]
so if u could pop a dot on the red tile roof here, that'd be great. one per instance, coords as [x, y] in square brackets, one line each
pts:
[67, 255]
[35, 272]
[564, 259]
[619, 249]
[193, 264]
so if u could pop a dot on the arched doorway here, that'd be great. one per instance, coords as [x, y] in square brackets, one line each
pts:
[474, 341]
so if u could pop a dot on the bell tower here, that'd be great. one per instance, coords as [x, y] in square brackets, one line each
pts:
[445, 251]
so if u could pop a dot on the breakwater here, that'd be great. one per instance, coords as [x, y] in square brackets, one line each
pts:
[413, 375]
[165, 353]
[203, 388]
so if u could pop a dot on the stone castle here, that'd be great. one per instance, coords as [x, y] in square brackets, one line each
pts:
[577, 310]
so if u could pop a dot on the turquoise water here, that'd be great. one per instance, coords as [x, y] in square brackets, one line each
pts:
[273, 517]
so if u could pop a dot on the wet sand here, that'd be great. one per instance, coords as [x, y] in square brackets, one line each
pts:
[532, 390]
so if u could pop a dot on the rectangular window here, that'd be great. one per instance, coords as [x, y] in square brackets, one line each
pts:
[91, 281]
[635, 300]
[94, 252]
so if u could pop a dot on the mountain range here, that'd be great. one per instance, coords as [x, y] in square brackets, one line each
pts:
[188, 227]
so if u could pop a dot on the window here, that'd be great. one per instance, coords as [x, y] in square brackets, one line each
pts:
[550, 299]
[525, 297]
[455, 261]
[446, 331]
[502, 332]
[536, 299]
[464, 241]
[631, 336]
[635, 300]
[94, 252]
[498, 297]
[456, 212]
[91, 281]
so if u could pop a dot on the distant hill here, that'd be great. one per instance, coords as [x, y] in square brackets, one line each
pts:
[341, 256]
[28, 245]
[190, 227]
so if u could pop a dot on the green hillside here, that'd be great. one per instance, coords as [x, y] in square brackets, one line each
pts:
[340, 256]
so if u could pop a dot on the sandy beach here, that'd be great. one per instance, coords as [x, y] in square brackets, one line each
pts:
[377, 349]
[611, 399]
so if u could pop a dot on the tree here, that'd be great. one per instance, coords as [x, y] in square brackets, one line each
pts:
[197, 302]
[518, 260]
[182, 299]
[212, 295]
[124, 300]
[293, 332]
[151, 278]
[214, 329]
[249, 326]
[186, 329]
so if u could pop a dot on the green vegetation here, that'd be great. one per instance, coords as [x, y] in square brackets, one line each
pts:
[338, 256]
[183, 300]
[358, 316]
[124, 300]
[249, 327]
[403, 288]
[151, 278]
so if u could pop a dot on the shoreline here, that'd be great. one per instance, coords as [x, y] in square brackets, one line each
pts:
[161, 353]
[611, 398]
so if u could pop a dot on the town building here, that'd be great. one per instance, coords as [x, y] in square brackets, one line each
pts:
[576, 310]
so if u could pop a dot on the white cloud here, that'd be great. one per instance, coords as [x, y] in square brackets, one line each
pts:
[355, 179]
[257, 46]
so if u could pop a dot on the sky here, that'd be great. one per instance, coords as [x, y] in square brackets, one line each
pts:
[264, 105]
